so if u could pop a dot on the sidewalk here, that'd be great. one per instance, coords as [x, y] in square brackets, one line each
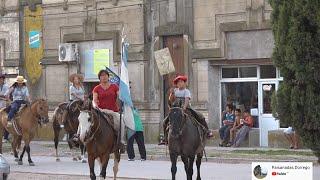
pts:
[214, 154]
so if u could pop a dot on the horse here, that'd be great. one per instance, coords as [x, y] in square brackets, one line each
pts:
[100, 139]
[186, 138]
[66, 116]
[27, 121]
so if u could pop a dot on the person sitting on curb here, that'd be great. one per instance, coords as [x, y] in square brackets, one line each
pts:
[236, 126]
[228, 121]
[247, 124]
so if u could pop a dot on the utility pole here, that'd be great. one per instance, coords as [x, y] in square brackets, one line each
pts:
[151, 65]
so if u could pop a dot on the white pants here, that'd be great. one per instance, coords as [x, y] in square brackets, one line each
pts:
[116, 122]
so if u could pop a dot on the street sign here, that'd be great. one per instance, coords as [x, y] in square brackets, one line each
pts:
[34, 39]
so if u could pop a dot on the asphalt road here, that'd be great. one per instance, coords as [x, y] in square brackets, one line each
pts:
[47, 168]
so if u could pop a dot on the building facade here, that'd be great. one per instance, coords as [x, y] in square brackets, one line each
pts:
[9, 39]
[224, 47]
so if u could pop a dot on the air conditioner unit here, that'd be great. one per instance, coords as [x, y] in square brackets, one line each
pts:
[68, 52]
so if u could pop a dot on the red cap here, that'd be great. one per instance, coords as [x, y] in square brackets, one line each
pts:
[183, 78]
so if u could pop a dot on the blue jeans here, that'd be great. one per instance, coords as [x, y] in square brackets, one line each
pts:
[15, 108]
[224, 132]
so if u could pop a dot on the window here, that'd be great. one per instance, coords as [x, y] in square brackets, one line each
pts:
[268, 72]
[246, 72]
[229, 72]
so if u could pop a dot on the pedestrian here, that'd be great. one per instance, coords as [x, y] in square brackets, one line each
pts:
[4, 88]
[138, 136]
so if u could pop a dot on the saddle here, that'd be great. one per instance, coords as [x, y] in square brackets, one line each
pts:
[23, 106]
[107, 117]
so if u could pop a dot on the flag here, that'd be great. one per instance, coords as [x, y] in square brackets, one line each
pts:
[113, 77]
[125, 95]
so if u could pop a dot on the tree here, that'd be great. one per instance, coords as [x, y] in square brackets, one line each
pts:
[296, 29]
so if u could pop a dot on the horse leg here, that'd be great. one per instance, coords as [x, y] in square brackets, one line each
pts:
[29, 156]
[185, 162]
[21, 156]
[73, 154]
[14, 147]
[190, 167]
[91, 159]
[104, 163]
[116, 164]
[198, 163]
[83, 151]
[173, 158]
[56, 142]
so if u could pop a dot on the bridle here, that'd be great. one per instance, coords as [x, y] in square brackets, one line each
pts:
[184, 119]
[93, 133]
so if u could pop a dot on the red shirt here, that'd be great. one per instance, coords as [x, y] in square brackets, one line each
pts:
[107, 98]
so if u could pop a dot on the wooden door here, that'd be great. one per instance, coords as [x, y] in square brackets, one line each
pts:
[175, 45]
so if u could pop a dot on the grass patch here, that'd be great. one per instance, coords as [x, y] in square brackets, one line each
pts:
[273, 152]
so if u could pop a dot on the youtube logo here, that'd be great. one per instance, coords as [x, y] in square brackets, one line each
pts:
[274, 173]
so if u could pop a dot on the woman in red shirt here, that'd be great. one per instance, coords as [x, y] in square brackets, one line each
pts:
[105, 97]
[105, 94]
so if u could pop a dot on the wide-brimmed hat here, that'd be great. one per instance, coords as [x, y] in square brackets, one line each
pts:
[178, 78]
[72, 76]
[20, 79]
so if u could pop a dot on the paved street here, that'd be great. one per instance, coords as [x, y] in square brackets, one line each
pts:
[47, 168]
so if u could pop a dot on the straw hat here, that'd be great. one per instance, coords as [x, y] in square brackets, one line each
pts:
[183, 78]
[20, 79]
[72, 76]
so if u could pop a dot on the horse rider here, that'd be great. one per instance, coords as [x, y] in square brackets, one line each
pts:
[180, 96]
[4, 88]
[105, 96]
[20, 95]
[76, 89]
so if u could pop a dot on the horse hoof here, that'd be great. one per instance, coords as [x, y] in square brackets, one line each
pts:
[74, 159]
[20, 163]
[84, 161]
[57, 160]
[80, 158]
[16, 159]
[31, 164]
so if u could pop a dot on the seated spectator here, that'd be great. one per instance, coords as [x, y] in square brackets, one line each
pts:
[292, 137]
[247, 124]
[236, 126]
[228, 121]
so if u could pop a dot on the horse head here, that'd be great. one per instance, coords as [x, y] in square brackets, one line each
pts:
[75, 106]
[176, 119]
[41, 110]
[87, 123]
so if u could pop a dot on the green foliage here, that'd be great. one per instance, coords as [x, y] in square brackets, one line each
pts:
[296, 28]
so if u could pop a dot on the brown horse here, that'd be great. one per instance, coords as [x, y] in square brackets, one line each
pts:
[29, 118]
[187, 139]
[66, 116]
[100, 139]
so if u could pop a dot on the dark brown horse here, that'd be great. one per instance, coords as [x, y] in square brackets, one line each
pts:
[185, 138]
[66, 116]
[100, 139]
[29, 119]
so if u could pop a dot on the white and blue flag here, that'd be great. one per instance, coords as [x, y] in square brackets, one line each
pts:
[125, 95]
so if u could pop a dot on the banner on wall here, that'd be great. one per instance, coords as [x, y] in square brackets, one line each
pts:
[95, 60]
[34, 39]
[100, 59]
